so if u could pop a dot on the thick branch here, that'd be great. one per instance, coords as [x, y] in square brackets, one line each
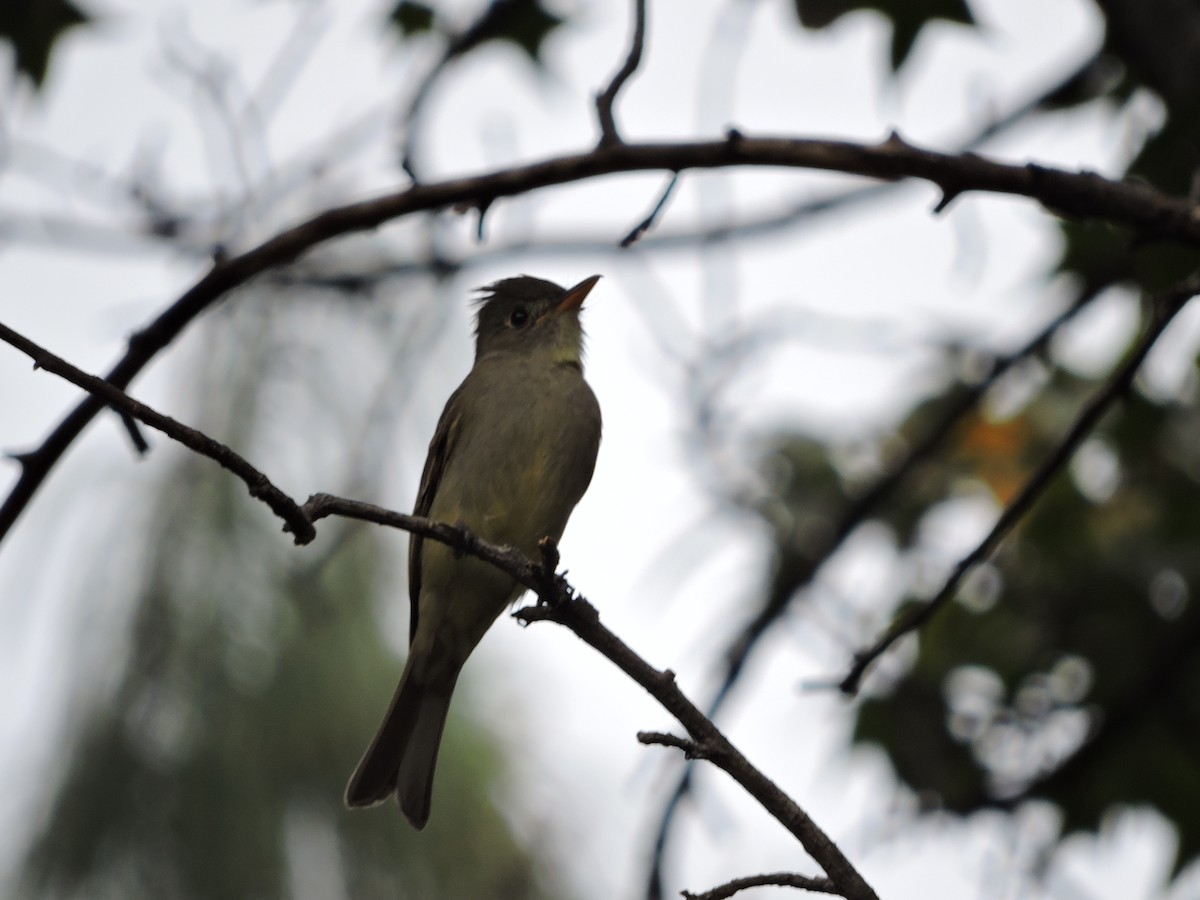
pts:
[1164, 310]
[1150, 212]
[101, 391]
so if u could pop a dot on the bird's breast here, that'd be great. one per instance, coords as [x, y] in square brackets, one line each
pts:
[525, 454]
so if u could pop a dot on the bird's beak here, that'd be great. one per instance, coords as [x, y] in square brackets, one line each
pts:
[575, 296]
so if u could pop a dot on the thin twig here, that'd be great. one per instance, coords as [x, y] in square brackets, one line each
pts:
[643, 226]
[561, 603]
[260, 486]
[1163, 311]
[604, 101]
[140, 444]
[1151, 213]
[488, 25]
[691, 750]
[775, 879]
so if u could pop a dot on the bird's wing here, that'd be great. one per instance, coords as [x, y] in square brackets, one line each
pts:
[440, 447]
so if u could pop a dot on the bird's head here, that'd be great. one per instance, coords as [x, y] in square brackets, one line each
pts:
[532, 317]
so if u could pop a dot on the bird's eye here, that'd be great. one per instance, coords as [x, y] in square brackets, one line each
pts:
[519, 317]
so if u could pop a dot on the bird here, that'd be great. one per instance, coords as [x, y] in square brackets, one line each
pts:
[513, 452]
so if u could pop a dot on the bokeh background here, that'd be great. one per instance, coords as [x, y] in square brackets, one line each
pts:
[185, 692]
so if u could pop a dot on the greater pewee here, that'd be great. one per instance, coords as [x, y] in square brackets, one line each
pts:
[513, 452]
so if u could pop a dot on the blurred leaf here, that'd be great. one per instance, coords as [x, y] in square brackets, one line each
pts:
[523, 23]
[1105, 75]
[805, 494]
[1075, 657]
[33, 27]
[908, 18]
[412, 17]
[1095, 250]
[995, 453]
[1167, 158]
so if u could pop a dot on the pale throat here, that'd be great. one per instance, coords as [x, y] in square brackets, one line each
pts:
[560, 349]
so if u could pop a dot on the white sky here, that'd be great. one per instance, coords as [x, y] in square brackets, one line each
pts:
[902, 274]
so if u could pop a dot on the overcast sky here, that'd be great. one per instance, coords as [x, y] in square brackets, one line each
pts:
[864, 293]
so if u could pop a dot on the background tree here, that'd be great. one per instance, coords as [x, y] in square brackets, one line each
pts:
[995, 483]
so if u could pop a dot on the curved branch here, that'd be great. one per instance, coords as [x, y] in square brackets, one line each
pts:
[1150, 212]
[776, 879]
[604, 101]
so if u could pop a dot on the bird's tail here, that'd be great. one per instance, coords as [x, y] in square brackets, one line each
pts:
[403, 754]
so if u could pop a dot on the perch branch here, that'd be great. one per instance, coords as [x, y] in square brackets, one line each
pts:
[560, 604]
[507, 559]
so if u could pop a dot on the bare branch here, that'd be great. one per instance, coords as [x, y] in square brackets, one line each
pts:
[1164, 309]
[163, 223]
[691, 750]
[777, 879]
[1152, 213]
[581, 617]
[643, 226]
[604, 101]
[140, 444]
[560, 604]
[260, 486]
